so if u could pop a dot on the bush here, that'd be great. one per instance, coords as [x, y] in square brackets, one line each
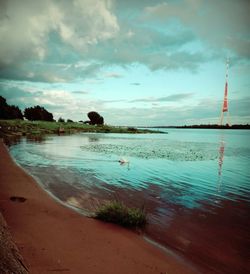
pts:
[116, 212]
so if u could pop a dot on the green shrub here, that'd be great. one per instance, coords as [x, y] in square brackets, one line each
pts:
[116, 212]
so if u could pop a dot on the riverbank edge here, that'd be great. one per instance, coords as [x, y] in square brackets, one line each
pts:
[11, 260]
[52, 237]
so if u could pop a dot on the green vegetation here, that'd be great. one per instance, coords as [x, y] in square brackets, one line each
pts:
[41, 122]
[10, 129]
[116, 212]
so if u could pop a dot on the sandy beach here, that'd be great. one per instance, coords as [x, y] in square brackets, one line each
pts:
[54, 238]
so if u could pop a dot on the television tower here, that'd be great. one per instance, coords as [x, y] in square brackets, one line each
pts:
[225, 101]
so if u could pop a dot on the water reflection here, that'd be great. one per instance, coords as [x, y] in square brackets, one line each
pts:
[36, 138]
[17, 139]
[93, 138]
[124, 162]
[12, 140]
[220, 161]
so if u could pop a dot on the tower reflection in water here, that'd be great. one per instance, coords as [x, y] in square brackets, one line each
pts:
[220, 162]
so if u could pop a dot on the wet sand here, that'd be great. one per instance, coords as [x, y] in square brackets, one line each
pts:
[54, 238]
[214, 237]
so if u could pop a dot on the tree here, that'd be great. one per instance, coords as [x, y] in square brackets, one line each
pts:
[38, 113]
[3, 108]
[2, 101]
[14, 112]
[9, 112]
[95, 118]
[61, 120]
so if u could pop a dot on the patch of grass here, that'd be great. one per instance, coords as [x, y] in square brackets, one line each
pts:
[25, 128]
[118, 213]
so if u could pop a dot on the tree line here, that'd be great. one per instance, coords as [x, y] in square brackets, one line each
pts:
[9, 112]
[38, 113]
[32, 113]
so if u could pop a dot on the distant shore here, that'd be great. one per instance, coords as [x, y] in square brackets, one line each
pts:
[52, 237]
[204, 126]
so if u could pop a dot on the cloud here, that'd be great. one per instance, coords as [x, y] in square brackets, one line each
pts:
[79, 92]
[64, 41]
[113, 101]
[67, 105]
[25, 96]
[26, 28]
[223, 24]
[50, 72]
[60, 41]
[205, 111]
[113, 75]
[150, 47]
[18, 96]
[60, 102]
[135, 84]
[171, 98]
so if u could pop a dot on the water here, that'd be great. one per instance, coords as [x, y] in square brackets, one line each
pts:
[194, 183]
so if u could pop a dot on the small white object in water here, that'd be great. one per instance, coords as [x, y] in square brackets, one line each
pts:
[123, 161]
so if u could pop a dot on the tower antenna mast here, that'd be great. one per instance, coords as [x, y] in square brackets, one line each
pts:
[225, 101]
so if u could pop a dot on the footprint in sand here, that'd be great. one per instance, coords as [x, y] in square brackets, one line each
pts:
[18, 199]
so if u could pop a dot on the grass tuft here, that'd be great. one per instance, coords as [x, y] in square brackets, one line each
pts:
[118, 213]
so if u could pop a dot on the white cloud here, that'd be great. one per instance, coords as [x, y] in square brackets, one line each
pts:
[112, 75]
[25, 26]
[87, 22]
[56, 97]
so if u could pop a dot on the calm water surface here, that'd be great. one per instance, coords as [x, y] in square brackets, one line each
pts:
[194, 183]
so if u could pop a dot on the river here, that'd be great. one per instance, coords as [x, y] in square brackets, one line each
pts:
[193, 183]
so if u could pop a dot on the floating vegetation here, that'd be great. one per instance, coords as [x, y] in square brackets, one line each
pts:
[174, 151]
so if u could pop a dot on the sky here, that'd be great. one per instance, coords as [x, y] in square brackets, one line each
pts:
[136, 62]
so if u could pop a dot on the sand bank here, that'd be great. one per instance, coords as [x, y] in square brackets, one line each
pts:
[53, 238]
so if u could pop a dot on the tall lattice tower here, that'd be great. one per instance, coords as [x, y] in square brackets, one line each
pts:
[225, 101]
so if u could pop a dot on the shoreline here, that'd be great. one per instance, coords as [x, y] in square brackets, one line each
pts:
[53, 237]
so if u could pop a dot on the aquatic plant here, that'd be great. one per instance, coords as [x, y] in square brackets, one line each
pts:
[148, 149]
[118, 213]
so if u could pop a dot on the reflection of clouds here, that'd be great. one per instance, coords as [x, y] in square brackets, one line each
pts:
[36, 138]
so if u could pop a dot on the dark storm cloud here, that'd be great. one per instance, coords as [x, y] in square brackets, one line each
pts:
[38, 42]
[37, 37]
